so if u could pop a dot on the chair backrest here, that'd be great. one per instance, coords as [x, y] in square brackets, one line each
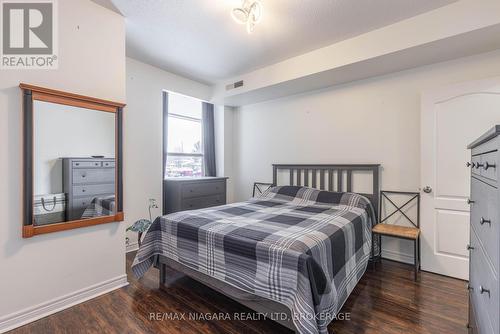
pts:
[260, 187]
[413, 196]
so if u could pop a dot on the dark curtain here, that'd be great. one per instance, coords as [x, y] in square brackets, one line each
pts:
[164, 145]
[208, 139]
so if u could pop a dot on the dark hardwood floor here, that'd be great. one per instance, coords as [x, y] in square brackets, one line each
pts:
[385, 301]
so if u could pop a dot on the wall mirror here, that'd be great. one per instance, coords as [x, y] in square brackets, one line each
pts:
[72, 161]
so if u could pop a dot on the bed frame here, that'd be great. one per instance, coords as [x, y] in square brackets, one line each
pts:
[331, 178]
[324, 177]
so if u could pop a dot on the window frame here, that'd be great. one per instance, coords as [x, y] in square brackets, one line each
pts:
[180, 154]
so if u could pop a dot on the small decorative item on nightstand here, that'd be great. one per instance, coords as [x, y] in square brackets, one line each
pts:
[142, 225]
[260, 187]
[396, 231]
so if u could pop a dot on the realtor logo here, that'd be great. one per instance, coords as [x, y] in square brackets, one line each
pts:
[28, 34]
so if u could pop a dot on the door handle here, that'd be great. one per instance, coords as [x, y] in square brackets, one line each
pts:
[427, 189]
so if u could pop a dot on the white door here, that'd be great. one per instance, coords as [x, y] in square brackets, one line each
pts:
[451, 118]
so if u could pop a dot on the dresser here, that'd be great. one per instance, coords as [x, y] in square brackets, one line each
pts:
[193, 193]
[484, 243]
[85, 179]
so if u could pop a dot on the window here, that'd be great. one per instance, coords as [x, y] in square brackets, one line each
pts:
[184, 137]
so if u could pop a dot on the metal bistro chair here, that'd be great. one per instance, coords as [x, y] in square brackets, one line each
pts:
[397, 231]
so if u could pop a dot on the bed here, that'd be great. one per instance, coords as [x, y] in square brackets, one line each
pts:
[294, 253]
[100, 206]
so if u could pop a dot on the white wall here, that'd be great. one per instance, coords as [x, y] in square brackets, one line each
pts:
[143, 141]
[63, 131]
[45, 269]
[370, 121]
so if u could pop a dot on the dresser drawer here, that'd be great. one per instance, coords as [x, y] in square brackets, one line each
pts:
[195, 189]
[484, 209]
[488, 165]
[108, 164]
[94, 189]
[202, 202]
[96, 175]
[487, 146]
[82, 203]
[86, 164]
[486, 305]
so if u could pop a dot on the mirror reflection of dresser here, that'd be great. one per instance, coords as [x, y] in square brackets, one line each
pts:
[86, 180]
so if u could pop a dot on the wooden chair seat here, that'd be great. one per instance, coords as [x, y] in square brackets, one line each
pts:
[397, 231]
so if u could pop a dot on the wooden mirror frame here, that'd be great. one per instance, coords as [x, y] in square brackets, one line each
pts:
[31, 93]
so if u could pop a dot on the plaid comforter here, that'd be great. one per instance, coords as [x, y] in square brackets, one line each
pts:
[100, 206]
[301, 247]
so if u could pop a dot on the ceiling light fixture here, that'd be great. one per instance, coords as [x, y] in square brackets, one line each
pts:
[249, 14]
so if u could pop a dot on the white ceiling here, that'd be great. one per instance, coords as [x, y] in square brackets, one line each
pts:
[198, 39]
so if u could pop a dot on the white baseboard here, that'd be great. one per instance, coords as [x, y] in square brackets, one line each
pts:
[33, 313]
[397, 256]
[132, 246]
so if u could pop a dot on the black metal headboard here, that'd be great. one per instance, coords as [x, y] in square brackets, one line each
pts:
[330, 177]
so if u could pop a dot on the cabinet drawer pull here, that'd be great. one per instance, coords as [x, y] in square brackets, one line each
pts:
[483, 290]
[488, 165]
[483, 221]
[468, 164]
[469, 287]
[479, 165]
[469, 247]
[469, 201]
